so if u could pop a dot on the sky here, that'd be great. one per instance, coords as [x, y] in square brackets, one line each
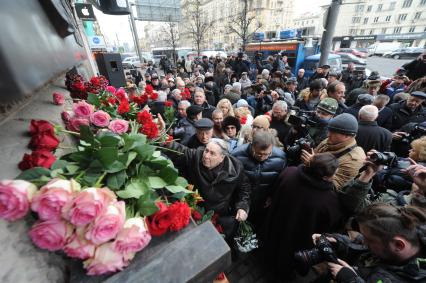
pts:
[118, 27]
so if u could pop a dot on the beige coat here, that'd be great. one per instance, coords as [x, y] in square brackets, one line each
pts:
[349, 163]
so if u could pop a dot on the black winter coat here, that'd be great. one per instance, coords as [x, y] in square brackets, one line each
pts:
[224, 193]
[385, 118]
[261, 174]
[415, 69]
[402, 115]
[371, 136]
[282, 128]
[302, 205]
[184, 130]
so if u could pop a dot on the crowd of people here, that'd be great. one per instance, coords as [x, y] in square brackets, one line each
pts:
[333, 160]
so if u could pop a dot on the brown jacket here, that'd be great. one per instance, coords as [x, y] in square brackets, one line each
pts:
[349, 163]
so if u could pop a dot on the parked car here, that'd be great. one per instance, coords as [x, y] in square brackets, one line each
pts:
[350, 58]
[131, 63]
[382, 47]
[408, 52]
[147, 57]
[311, 63]
[353, 51]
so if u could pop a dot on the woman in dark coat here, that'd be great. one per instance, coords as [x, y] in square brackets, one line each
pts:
[304, 203]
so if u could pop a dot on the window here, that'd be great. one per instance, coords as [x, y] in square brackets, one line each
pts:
[402, 17]
[397, 30]
[352, 31]
[422, 2]
[412, 29]
[384, 30]
[371, 31]
[359, 8]
[388, 18]
[392, 6]
[417, 15]
[376, 19]
[356, 20]
[424, 29]
[379, 8]
[361, 32]
[365, 21]
[370, 7]
[407, 3]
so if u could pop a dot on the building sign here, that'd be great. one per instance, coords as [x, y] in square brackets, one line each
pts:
[85, 12]
[366, 37]
[402, 36]
[158, 10]
[271, 47]
[96, 41]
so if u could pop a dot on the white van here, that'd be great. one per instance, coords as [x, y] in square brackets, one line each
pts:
[381, 47]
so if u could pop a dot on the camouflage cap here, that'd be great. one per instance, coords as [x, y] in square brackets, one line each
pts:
[328, 105]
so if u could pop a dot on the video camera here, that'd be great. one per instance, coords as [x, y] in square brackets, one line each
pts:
[417, 131]
[295, 150]
[389, 159]
[302, 118]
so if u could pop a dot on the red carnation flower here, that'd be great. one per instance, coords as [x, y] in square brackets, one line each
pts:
[243, 120]
[159, 222]
[154, 96]
[124, 107]
[196, 215]
[149, 89]
[112, 100]
[168, 103]
[79, 86]
[144, 117]
[150, 130]
[181, 215]
[186, 94]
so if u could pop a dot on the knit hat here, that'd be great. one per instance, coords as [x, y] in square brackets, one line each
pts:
[261, 121]
[242, 103]
[344, 124]
[328, 105]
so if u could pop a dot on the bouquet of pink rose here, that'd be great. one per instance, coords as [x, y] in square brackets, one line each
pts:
[88, 224]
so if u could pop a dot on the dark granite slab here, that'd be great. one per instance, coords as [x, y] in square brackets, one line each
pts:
[195, 254]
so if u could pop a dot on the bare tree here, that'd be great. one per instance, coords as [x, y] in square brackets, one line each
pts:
[197, 23]
[241, 24]
[171, 37]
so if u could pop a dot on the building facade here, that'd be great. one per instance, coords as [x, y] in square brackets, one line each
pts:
[310, 24]
[362, 23]
[270, 16]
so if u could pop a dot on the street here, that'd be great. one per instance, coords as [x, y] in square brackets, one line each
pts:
[385, 66]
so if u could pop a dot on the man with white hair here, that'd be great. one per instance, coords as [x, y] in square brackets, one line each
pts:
[370, 135]
[200, 100]
[235, 94]
[278, 121]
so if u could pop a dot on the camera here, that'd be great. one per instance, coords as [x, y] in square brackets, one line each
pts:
[302, 119]
[257, 88]
[295, 150]
[416, 132]
[323, 251]
[389, 159]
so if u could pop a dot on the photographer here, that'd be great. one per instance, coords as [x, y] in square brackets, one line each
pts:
[304, 202]
[259, 64]
[315, 128]
[396, 241]
[408, 111]
[310, 97]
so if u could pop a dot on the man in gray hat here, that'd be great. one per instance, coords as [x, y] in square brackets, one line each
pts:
[371, 86]
[341, 142]
[408, 111]
[363, 99]
[203, 134]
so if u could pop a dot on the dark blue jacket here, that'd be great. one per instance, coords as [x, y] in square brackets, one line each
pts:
[262, 175]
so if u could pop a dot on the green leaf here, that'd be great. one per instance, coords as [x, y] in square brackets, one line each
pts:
[145, 151]
[107, 156]
[147, 204]
[93, 99]
[133, 190]
[116, 181]
[180, 181]
[90, 178]
[33, 173]
[177, 189]
[72, 169]
[132, 141]
[86, 134]
[80, 157]
[56, 172]
[156, 182]
[59, 164]
[115, 167]
[109, 140]
[168, 174]
[127, 158]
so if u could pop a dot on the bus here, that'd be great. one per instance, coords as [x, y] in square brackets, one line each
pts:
[168, 51]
